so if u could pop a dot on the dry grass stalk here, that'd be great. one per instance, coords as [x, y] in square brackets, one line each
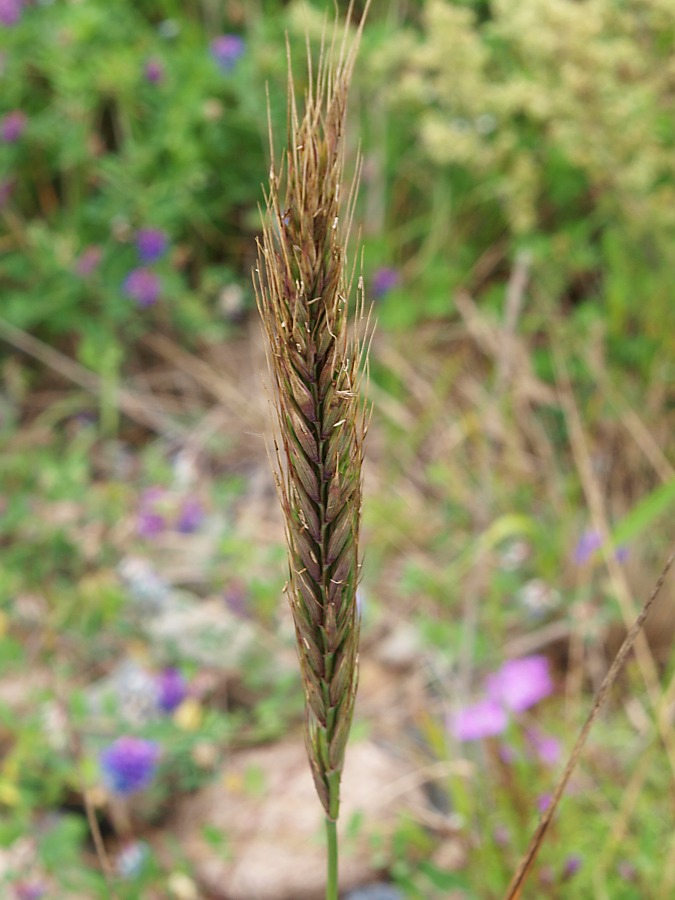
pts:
[515, 888]
[302, 289]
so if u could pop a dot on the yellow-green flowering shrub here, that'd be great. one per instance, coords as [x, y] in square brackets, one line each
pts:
[563, 115]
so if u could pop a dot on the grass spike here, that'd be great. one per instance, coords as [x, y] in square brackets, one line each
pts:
[302, 288]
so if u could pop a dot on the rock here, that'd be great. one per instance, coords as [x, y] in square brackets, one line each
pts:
[266, 808]
[401, 648]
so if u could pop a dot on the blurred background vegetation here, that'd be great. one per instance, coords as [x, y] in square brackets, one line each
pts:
[517, 210]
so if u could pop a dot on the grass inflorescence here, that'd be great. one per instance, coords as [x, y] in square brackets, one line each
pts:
[303, 287]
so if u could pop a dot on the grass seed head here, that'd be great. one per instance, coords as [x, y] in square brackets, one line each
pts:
[303, 288]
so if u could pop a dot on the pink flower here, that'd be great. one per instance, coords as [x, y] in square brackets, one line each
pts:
[236, 599]
[154, 71]
[12, 126]
[10, 12]
[143, 286]
[484, 719]
[226, 50]
[151, 520]
[190, 517]
[88, 261]
[547, 748]
[626, 870]
[543, 801]
[520, 683]
[572, 865]
[7, 186]
[588, 543]
[30, 890]
[384, 280]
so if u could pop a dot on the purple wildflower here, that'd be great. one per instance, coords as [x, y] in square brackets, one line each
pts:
[572, 865]
[129, 764]
[154, 71]
[484, 719]
[151, 521]
[501, 836]
[7, 186]
[226, 50]
[153, 494]
[191, 516]
[621, 554]
[546, 876]
[151, 244]
[543, 801]
[507, 754]
[10, 12]
[143, 286]
[88, 261]
[547, 748]
[235, 598]
[520, 683]
[171, 690]
[383, 281]
[626, 870]
[588, 543]
[30, 890]
[12, 125]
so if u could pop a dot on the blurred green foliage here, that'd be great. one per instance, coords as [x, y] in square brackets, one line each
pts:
[487, 129]
[131, 123]
[548, 126]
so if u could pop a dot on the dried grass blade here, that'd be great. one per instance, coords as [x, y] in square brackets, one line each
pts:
[515, 888]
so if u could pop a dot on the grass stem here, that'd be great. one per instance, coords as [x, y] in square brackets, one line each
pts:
[332, 840]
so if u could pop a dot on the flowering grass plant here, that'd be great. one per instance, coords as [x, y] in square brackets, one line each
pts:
[303, 289]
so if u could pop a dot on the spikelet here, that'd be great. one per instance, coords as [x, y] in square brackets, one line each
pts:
[302, 291]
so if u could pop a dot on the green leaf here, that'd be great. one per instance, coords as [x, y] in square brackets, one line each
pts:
[644, 514]
[442, 879]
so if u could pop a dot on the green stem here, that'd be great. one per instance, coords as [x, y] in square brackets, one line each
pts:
[332, 882]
